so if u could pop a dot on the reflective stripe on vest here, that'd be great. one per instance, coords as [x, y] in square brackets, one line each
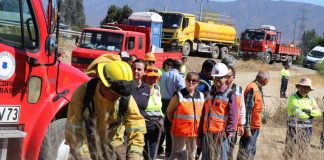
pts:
[238, 91]
[295, 122]
[216, 111]
[186, 117]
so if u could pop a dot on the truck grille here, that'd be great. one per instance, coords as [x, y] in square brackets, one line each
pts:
[167, 35]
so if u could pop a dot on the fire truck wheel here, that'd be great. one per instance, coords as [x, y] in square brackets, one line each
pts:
[224, 52]
[268, 59]
[53, 146]
[215, 52]
[186, 49]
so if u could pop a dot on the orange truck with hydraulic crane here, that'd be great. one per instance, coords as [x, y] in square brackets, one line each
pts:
[265, 43]
[140, 36]
[183, 32]
[35, 86]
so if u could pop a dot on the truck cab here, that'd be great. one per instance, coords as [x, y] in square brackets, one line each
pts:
[177, 29]
[97, 41]
[35, 86]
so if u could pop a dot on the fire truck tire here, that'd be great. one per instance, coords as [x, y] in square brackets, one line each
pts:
[224, 52]
[53, 146]
[268, 59]
[215, 52]
[186, 48]
[288, 62]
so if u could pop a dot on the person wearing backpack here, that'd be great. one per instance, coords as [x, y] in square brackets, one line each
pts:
[99, 113]
[184, 112]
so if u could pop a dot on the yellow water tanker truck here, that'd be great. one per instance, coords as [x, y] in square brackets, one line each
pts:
[183, 32]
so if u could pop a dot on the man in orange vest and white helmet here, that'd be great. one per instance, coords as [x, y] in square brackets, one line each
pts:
[253, 97]
[219, 117]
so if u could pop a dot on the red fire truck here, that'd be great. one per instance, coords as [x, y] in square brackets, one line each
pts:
[265, 43]
[114, 38]
[35, 86]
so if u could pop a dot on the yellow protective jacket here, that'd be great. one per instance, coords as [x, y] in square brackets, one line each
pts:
[106, 115]
[298, 107]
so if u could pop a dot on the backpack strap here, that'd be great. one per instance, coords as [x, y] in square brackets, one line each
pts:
[123, 105]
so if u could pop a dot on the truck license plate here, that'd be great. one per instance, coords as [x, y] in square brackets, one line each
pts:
[9, 114]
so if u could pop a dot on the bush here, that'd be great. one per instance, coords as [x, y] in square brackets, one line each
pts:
[300, 59]
[320, 68]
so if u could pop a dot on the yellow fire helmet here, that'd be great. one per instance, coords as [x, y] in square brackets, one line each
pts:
[104, 58]
[149, 57]
[114, 71]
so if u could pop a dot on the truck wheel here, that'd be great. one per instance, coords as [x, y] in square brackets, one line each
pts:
[268, 58]
[53, 146]
[224, 52]
[215, 52]
[288, 62]
[186, 48]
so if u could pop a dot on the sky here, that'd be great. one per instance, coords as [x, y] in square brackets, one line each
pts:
[317, 2]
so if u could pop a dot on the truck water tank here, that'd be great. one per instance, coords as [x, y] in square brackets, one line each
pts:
[148, 19]
[215, 32]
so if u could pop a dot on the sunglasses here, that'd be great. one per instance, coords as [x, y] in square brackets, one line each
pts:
[151, 62]
[220, 78]
[152, 70]
[192, 81]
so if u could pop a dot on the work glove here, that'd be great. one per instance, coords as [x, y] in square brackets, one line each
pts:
[308, 112]
[134, 156]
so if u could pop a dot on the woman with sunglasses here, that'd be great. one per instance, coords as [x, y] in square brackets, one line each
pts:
[184, 112]
[154, 115]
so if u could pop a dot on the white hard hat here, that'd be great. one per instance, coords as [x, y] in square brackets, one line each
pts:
[219, 70]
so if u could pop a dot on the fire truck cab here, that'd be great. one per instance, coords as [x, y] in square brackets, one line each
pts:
[35, 86]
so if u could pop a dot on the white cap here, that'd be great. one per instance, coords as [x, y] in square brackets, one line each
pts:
[219, 70]
[124, 54]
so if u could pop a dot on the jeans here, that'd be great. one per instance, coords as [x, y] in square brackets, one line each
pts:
[151, 141]
[232, 142]
[248, 148]
[298, 142]
[283, 87]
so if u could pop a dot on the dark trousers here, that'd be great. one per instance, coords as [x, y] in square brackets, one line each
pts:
[214, 146]
[297, 142]
[167, 128]
[283, 87]
[151, 141]
[248, 148]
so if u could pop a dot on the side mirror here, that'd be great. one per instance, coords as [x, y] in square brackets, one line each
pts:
[77, 40]
[185, 23]
[50, 46]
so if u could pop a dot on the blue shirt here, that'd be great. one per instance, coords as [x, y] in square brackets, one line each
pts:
[204, 84]
[171, 82]
[141, 96]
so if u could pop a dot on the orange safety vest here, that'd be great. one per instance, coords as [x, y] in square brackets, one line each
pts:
[186, 117]
[238, 91]
[216, 112]
[256, 119]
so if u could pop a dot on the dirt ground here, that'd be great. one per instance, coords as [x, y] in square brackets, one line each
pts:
[272, 137]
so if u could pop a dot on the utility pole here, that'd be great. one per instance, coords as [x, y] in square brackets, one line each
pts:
[165, 5]
[201, 10]
[302, 25]
[294, 31]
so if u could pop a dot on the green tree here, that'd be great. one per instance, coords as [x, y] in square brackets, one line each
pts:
[116, 14]
[307, 40]
[73, 13]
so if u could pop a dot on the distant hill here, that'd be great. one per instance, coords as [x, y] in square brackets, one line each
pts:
[244, 13]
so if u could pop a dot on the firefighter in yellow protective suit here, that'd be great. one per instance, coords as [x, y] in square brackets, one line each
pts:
[97, 120]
